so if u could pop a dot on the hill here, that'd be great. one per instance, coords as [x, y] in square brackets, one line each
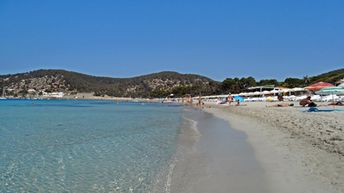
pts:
[331, 77]
[160, 84]
[152, 85]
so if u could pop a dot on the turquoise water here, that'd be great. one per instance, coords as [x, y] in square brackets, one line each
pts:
[84, 146]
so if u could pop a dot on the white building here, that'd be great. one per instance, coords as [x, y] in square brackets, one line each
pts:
[53, 94]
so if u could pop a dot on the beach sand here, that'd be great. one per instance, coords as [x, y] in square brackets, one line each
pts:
[298, 151]
[212, 157]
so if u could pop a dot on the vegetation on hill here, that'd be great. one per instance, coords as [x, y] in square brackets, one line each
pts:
[152, 85]
[237, 85]
[331, 77]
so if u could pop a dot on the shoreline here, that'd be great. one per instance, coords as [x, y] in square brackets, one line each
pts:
[291, 159]
[213, 157]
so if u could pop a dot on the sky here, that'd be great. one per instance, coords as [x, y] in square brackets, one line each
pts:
[215, 38]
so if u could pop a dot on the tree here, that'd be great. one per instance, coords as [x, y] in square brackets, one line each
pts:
[268, 82]
[230, 85]
[247, 82]
[306, 80]
[293, 82]
[236, 85]
[23, 93]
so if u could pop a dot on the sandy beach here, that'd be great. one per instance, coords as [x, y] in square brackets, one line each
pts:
[212, 157]
[299, 151]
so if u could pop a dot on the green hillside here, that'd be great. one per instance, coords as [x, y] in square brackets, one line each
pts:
[331, 77]
[152, 85]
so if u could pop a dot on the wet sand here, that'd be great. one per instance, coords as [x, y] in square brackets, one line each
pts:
[213, 157]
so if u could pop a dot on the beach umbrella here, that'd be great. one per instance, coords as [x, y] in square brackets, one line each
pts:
[297, 89]
[286, 90]
[236, 98]
[280, 88]
[319, 85]
[248, 94]
[266, 92]
[331, 90]
[341, 85]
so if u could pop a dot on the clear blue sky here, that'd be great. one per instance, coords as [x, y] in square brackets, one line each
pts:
[121, 38]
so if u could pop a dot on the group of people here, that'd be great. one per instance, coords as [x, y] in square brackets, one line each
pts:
[231, 99]
[307, 101]
[304, 102]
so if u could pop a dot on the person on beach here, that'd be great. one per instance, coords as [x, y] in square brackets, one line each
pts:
[189, 100]
[230, 99]
[282, 105]
[200, 102]
[337, 103]
[238, 103]
[307, 101]
[280, 97]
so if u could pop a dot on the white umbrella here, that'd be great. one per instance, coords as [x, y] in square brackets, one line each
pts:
[297, 89]
[249, 94]
[285, 90]
[266, 92]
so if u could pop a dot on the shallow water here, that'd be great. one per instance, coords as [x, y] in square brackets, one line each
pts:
[102, 146]
[84, 146]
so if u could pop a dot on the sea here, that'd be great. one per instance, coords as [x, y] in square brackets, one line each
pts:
[86, 145]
